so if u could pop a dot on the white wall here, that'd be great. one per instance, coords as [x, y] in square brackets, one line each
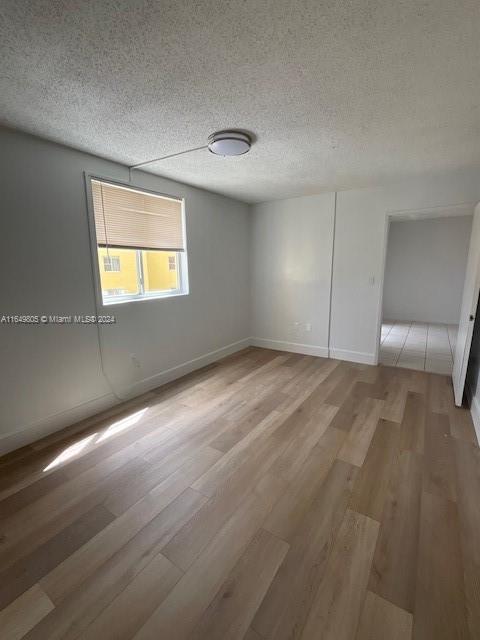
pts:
[291, 273]
[425, 269]
[51, 375]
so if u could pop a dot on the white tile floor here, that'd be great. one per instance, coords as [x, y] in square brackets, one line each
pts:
[417, 345]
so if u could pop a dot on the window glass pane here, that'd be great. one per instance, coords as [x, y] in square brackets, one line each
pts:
[118, 271]
[160, 271]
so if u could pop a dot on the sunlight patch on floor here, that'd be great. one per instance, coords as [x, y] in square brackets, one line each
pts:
[71, 452]
[122, 424]
[116, 427]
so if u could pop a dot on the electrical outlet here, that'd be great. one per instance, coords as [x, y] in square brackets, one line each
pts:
[308, 326]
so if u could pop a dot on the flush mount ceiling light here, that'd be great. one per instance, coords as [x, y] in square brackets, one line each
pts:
[221, 143]
[229, 143]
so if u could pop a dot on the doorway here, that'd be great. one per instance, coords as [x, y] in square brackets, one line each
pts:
[425, 265]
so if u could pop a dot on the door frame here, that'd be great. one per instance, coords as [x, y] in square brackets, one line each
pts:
[426, 213]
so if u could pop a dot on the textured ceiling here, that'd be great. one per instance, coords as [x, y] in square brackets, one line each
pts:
[340, 94]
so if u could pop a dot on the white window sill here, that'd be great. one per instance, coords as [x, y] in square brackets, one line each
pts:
[162, 296]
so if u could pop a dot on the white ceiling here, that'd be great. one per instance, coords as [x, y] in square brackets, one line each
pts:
[340, 94]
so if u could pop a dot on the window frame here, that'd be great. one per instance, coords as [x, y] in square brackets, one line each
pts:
[141, 296]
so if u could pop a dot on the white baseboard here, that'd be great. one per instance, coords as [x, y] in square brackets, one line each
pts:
[293, 347]
[182, 369]
[315, 350]
[44, 427]
[475, 412]
[353, 356]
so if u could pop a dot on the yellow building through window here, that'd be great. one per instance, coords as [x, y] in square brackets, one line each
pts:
[156, 270]
[133, 272]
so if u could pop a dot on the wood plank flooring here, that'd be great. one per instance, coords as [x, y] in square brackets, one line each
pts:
[269, 496]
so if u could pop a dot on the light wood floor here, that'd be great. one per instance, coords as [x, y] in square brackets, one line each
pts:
[268, 496]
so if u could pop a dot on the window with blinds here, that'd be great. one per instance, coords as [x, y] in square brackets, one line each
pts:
[140, 243]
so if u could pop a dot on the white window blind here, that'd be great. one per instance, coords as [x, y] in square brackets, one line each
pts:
[136, 219]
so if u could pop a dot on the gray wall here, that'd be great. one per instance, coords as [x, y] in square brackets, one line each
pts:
[425, 269]
[292, 243]
[52, 375]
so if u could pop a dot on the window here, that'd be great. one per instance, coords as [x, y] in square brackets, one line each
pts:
[111, 263]
[140, 243]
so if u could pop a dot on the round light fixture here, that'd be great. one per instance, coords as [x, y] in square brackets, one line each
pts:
[229, 143]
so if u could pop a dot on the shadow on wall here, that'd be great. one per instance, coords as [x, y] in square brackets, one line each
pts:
[473, 370]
